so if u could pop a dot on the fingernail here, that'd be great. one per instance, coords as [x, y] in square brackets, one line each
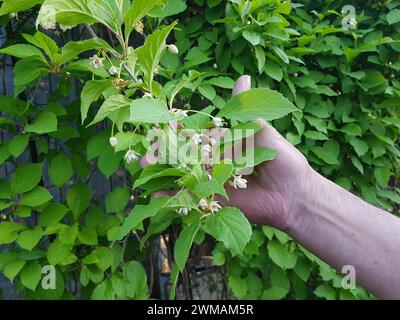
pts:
[242, 84]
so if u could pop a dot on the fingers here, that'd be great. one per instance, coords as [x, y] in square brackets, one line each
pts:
[242, 84]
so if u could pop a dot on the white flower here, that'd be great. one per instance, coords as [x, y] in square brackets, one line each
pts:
[96, 62]
[48, 25]
[13, 15]
[183, 166]
[218, 122]
[239, 182]
[113, 71]
[212, 141]
[64, 27]
[196, 138]
[148, 94]
[130, 156]
[206, 149]
[215, 66]
[113, 142]
[214, 206]
[173, 49]
[156, 70]
[179, 113]
[183, 211]
[209, 177]
[295, 74]
[203, 204]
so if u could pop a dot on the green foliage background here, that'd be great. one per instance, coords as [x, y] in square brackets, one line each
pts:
[345, 82]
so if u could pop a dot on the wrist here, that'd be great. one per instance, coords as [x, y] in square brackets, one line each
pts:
[311, 188]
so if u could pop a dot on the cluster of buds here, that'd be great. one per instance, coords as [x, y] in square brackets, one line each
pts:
[212, 206]
[139, 27]
[96, 62]
[119, 83]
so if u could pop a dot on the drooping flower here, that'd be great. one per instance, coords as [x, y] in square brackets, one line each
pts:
[206, 149]
[173, 49]
[239, 182]
[130, 156]
[113, 142]
[113, 71]
[212, 141]
[180, 113]
[214, 206]
[242, 84]
[96, 62]
[183, 211]
[196, 138]
[218, 122]
[13, 15]
[203, 204]
[148, 95]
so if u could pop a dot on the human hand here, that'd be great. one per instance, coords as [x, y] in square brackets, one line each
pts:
[273, 194]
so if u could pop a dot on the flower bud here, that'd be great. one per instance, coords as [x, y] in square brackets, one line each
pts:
[113, 71]
[173, 49]
[130, 156]
[113, 142]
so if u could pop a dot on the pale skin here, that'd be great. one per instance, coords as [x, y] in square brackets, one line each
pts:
[337, 226]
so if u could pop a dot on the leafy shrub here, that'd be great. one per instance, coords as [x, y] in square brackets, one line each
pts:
[342, 114]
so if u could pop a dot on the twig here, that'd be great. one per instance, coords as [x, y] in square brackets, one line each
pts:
[116, 56]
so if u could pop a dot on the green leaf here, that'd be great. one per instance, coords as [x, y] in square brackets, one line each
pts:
[27, 71]
[78, 198]
[231, 227]
[222, 82]
[18, 144]
[45, 122]
[149, 110]
[68, 234]
[260, 56]
[274, 293]
[257, 104]
[36, 197]
[31, 275]
[26, 177]
[137, 280]
[156, 171]
[103, 291]
[273, 70]
[58, 252]
[280, 255]
[12, 268]
[91, 92]
[112, 104]
[9, 231]
[5, 189]
[88, 236]
[138, 214]
[326, 292]
[184, 243]
[60, 170]
[326, 155]
[238, 286]
[393, 16]
[117, 200]
[360, 146]
[69, 13]
[252, 37]
[149, 54]
[101, 256]
[30, 238]
[74, 48]
[52, 214]
[22, 51]
[136, 12]
[10, 6]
